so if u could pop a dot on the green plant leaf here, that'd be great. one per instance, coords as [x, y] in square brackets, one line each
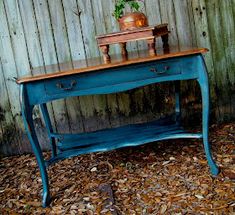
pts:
[120, 6]
[134, 5]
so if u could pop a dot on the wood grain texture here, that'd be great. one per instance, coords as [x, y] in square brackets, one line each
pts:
[7, 124]
[38, 33]
[9, 72]
[35, 56]
[218, 36]
[75, 40]
[117, 61]
[60, 38]
[105, 105]
[42, 21]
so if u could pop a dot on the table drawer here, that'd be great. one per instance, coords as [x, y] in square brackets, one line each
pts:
[163, 69]
[61, 85]
[110, 77]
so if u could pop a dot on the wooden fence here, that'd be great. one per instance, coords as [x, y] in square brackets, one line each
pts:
[41, 32]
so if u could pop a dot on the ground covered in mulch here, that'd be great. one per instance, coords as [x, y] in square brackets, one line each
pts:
[159, 178]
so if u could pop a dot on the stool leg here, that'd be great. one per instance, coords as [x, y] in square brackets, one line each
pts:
[204, 85]
[151, 45]
[124, 51]
[165, 40]
[105, 51]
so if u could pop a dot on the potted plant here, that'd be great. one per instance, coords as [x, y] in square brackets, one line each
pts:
[132, 20]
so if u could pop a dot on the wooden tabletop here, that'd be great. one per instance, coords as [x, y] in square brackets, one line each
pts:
[96, 64]
[132, 31]
[132, 35]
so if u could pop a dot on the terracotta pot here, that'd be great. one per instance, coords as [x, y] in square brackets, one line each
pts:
[132, 21]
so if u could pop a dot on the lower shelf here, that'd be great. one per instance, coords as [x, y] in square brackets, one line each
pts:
[109, 139]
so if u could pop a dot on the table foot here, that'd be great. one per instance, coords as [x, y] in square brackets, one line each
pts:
[105, 51]
[46, 199]
[213, 167]
[151, 45]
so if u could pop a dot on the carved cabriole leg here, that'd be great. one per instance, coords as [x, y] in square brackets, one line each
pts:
[105, 51]
[30, 130]
[151, 45]
[177, 103]
[166, 48]
[124, 51]
[204, 85]
[47, 121]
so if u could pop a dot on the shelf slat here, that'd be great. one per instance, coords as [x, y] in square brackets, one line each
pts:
[110, 139]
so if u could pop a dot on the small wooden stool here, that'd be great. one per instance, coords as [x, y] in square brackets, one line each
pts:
[149, 33]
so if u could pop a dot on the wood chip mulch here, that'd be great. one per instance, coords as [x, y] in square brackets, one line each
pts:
[170, 177]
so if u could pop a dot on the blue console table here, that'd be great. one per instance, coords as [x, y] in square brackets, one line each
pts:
[117, 76]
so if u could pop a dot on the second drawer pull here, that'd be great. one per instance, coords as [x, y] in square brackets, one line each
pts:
[166, 68]
[70, 87]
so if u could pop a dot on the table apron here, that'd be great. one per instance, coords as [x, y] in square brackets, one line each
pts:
[113, 80]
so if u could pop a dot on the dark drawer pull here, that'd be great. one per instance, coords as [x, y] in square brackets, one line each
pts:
[166, 68]
[153, 70]
[70, 87]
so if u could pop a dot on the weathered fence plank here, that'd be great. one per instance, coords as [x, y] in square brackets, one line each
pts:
[10, 71]
[63, 55]
[91, 50]
[42, 17]
[227, 20]
[35, 58]
[7, 124]
[219, 57]
[75, 39]
[101, 102]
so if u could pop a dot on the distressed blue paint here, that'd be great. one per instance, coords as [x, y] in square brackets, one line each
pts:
[30, 130]
[205, 91]
[129, 135]
[111, 81]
